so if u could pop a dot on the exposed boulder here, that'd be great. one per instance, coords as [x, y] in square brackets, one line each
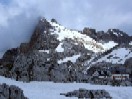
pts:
[90, 32]
[11, 92]
[89, 94]
[54, 20]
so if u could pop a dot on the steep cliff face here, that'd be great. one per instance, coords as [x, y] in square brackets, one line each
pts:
[60, 54]
[36, 40]
[7, 61]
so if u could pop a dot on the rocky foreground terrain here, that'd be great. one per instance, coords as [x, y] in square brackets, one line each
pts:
[89, 94]
[11, 92]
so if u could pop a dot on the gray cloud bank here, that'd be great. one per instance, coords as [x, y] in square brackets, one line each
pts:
[19, 17]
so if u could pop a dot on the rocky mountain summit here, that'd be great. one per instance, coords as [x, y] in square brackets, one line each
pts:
[115, 35]
[58, 54]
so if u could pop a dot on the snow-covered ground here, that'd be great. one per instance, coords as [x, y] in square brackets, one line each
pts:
[117, 56]
[50, 90]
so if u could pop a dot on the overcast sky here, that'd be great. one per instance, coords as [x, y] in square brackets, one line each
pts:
[19, 17]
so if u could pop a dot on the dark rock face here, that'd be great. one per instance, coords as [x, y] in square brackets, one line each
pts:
[128, 65]
[119, 36]
[11, 92]
[54, 20]
[89, 94]
[6, 63]
[111, 35]
[24, 47]
[90, 32]
[1, 61]
[10, 55]
[43, 26]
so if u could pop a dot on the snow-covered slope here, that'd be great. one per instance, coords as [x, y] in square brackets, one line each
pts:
[50, 90]
[117, 56]
[88, 42]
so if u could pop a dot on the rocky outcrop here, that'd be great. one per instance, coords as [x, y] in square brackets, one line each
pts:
[38, 40]
[43, 26]
[10, 55]
[119, 36]
[88, 94]
[90, 32]
[11, 92]
[128, 65]
[38, 66]
[6, 63]
[111, 35]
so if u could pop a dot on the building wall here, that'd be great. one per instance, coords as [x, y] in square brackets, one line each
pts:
[120, 76]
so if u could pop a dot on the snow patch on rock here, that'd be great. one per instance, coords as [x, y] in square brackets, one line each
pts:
[72, 59]
[109, 45]
[42, 51]
[60, 48]
[130, 43]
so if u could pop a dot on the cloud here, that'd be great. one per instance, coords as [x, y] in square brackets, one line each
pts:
[19, 17]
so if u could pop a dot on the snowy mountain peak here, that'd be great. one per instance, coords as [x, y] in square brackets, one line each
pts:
[55, 50]
[79, 38]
